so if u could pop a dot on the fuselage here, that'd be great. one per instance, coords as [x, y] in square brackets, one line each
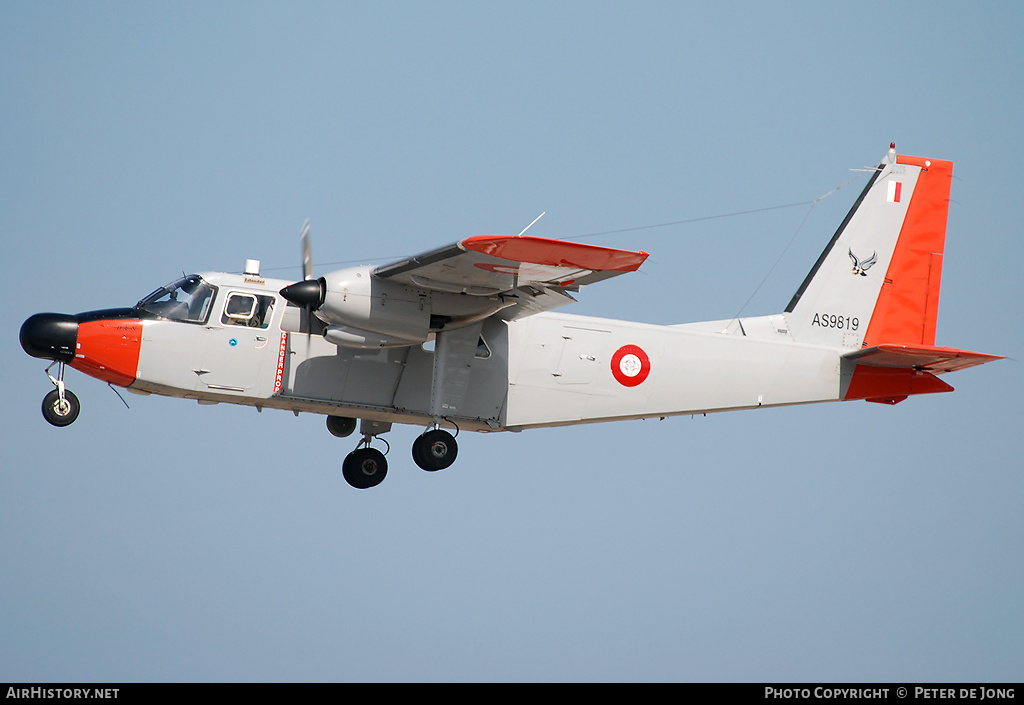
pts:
[247, 345]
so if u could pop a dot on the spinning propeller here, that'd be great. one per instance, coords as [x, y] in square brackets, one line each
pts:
[308, 293]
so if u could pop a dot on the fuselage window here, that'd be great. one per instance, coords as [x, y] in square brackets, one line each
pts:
[248, 310]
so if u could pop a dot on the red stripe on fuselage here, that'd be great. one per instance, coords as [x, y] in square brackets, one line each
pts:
[109, 350]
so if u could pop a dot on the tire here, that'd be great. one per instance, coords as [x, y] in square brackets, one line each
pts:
[61, 414]
[435, 450]
[364, 468]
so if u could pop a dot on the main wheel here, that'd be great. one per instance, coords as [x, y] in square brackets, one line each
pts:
[364, 468]
[61, 413]
[435, 450]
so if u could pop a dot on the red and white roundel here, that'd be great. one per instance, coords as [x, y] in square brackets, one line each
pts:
[630, 365]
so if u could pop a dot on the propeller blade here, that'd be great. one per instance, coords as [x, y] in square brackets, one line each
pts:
[308, 293]
[307, 252]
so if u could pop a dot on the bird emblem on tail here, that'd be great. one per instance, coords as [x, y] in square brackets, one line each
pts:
[861, 267]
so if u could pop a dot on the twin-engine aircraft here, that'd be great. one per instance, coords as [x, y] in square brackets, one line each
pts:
[464, 337]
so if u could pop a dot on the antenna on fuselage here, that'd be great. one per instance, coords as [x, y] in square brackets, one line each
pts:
[531, 224]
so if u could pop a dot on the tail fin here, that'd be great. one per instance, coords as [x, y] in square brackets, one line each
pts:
[878, 279]
[875, 288]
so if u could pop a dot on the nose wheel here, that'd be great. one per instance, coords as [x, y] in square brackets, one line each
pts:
[60, 406]
[61, 411]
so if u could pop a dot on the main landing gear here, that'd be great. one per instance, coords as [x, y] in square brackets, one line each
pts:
[366, 467]
[435, 450]
[60, 406]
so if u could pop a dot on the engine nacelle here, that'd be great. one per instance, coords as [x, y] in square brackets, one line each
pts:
[356, 303]
[365, 311]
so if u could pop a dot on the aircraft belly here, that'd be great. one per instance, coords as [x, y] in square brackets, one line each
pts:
[562, 370]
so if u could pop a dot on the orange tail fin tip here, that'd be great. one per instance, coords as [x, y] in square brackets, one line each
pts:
[908, 304]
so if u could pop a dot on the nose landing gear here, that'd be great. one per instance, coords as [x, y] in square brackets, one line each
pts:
[60, 406]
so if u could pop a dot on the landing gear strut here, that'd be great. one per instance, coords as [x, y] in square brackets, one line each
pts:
[453, 354]
[60, 406]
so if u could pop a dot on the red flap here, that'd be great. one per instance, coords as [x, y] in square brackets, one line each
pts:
[555, 253]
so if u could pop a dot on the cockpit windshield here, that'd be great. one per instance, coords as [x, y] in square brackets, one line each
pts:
[187, 299]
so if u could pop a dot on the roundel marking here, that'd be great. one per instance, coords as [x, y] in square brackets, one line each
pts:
[233, 342]
[630, 365]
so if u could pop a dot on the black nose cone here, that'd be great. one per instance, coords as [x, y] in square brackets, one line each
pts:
[51, 336]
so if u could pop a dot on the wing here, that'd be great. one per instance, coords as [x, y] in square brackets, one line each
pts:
[538, 272]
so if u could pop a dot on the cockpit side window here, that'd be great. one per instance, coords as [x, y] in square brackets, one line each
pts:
[245, 309]
[187, 299]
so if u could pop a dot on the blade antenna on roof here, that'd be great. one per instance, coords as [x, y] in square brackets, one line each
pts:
[531, 224]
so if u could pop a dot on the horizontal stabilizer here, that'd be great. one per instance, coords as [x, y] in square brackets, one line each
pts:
[919, 357]
[890, 385]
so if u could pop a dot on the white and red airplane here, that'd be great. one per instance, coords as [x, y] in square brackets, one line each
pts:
[355, 344]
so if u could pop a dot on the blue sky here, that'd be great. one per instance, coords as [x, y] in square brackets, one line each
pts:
[173, 542]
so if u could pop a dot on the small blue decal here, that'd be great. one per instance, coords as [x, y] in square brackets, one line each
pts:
[233, 342]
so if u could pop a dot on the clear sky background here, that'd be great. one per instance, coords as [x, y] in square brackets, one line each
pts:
[177, 542]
